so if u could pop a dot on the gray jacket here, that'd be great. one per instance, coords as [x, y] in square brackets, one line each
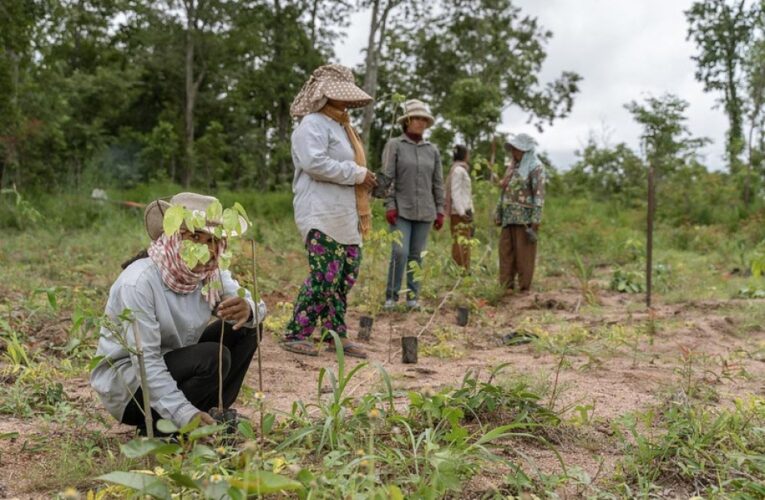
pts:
[417, 179]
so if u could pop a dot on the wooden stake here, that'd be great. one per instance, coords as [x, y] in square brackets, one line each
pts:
[258, 332]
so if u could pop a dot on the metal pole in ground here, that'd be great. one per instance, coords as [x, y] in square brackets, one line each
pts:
[649, 236]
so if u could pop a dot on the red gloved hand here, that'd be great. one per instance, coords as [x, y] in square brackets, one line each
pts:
[439, 222]
[391, 216]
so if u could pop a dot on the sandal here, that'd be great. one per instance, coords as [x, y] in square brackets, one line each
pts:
[305, 347]
[349, 349]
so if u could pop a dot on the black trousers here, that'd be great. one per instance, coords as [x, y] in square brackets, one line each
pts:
[195, 368]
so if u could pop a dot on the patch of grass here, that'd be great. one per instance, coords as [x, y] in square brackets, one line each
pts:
[692, 449]
[74, 460]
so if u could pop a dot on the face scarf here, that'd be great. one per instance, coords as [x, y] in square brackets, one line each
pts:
[362, 194]
[165, 251]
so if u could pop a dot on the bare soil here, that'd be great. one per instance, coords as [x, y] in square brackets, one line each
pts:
[615, 382]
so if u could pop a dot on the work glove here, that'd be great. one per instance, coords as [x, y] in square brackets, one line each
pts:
[439, 222]
[391, 216]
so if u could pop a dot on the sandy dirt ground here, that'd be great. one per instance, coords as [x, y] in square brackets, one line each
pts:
[615, 381]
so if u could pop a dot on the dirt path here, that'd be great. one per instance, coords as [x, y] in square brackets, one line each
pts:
[614, 379]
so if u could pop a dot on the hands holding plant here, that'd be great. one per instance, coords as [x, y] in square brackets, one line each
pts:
[234, 309]
[204, 418]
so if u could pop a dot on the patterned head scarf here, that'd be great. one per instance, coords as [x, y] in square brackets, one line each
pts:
[165, 251]
[527, 144]
[332, 81]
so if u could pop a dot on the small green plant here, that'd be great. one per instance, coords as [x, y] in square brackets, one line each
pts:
[444, 347]
[584, 275]
[627, 281]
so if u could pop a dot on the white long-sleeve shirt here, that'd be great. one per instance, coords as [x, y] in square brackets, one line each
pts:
[166, 321]
[461, 190]
[325, 176]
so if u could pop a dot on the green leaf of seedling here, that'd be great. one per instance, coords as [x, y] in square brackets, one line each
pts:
[264, 482]
[166, 426]
[231, 222]
[188, 254]
[268, 423]
[194, 253]
[9, 435]
[214, 210]
[94, 362]
[173, 219]
[183, 480]
[192, 425]
[194, 220]
[138, 448]
[218, 232]
[143, 483]
[201, 451]
[245, 429]
[207, 430]
[241, 292]
[241, 211]
[201, 252]
[224, 261]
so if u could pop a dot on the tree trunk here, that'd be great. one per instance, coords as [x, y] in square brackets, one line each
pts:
[190, 91]
[314, 12]
[370, 71]
[283, 108]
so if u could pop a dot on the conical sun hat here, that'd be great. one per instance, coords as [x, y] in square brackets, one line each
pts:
[332, 81]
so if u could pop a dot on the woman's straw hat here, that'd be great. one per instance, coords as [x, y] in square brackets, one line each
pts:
[415, 107]
[154, 214]
[332, 81]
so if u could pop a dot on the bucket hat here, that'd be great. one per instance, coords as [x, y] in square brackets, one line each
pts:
[154, 214]
[415, 107]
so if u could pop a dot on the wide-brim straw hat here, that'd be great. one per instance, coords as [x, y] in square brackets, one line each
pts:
[332, 81]
[415, 107]
[154, 215]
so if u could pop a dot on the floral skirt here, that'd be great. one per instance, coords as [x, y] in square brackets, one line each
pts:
[323, 297]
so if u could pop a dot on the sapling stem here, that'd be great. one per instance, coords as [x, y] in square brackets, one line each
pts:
[256, 316]
[144, 381]
[220, 352]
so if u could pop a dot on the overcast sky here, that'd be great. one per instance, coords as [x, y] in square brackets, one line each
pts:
[624, 50]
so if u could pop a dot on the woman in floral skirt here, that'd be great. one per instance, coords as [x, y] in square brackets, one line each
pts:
[332, 212]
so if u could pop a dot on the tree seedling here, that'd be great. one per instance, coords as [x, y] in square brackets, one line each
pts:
[194, 253]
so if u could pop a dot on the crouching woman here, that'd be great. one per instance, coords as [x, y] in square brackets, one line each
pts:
[170, 310]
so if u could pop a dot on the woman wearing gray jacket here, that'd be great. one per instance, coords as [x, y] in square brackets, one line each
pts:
[415, 198]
